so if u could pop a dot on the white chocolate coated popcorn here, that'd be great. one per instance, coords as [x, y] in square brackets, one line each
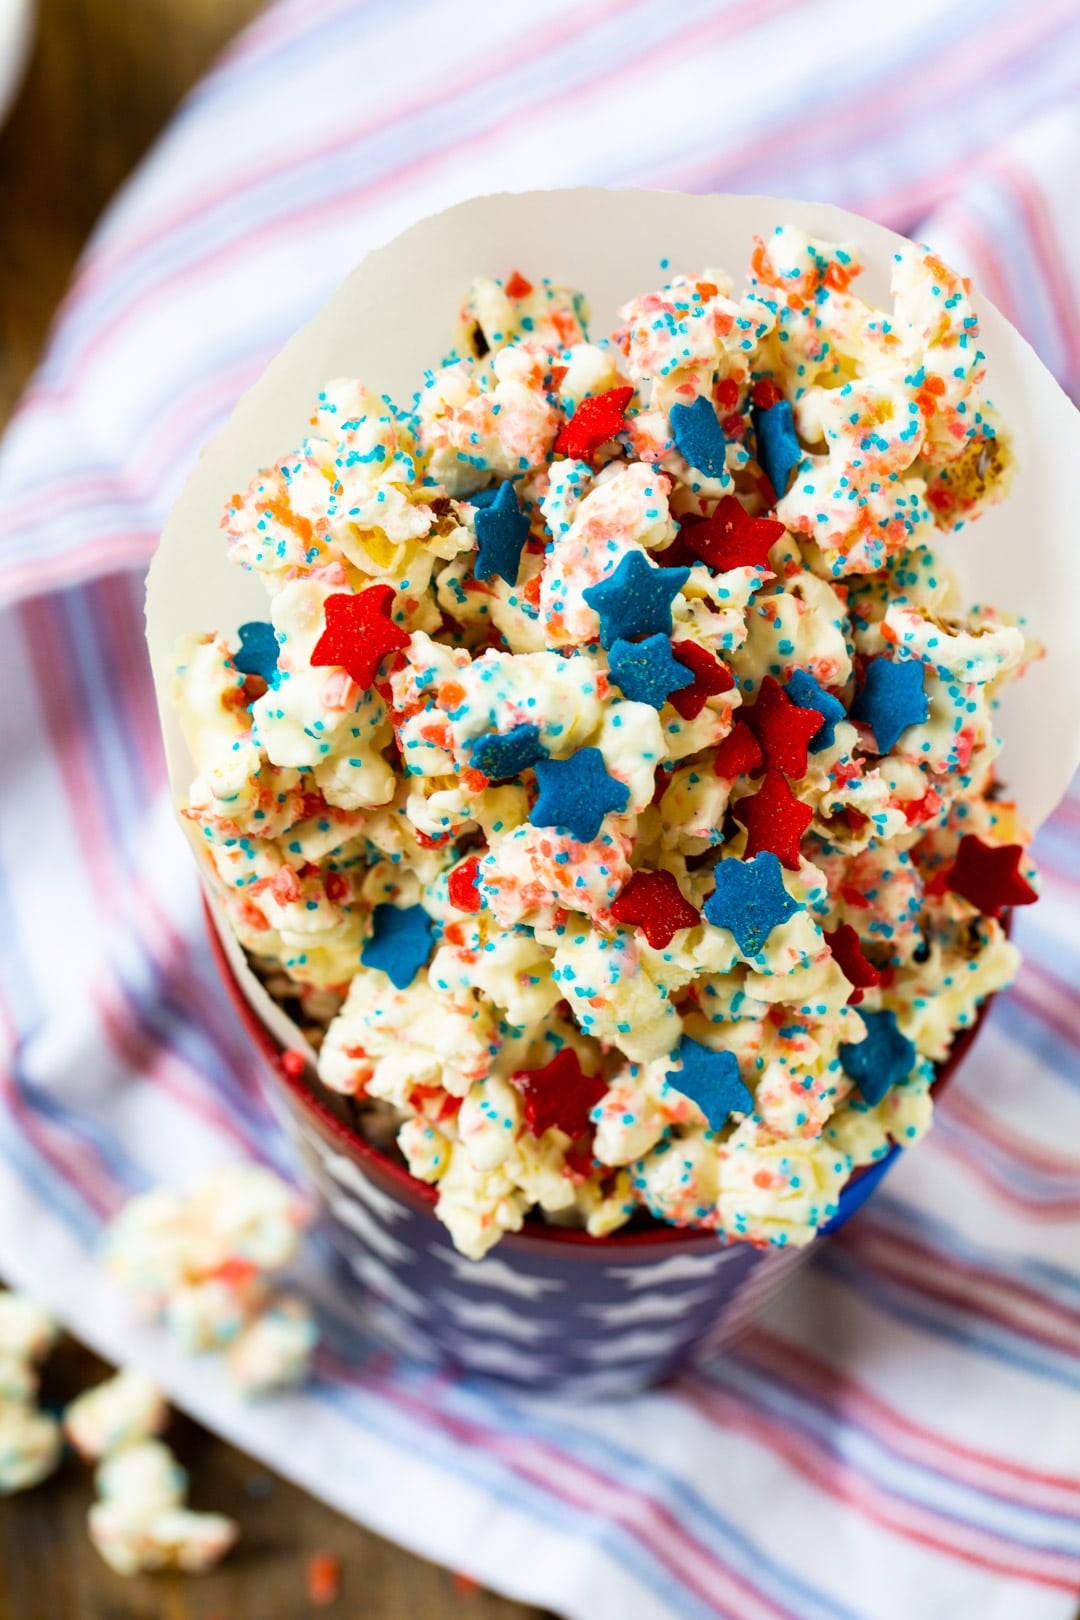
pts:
[675, 738]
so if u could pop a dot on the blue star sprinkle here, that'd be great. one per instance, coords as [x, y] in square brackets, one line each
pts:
[501, 532]
[878, 1062]
[576, 794]
[712, 1080]
[483, 497]
[777, 447]
[648, 671]
[258, 653]
[805, 693]
[699, 438]
[400, 942]
[503, 754]
[750, 900]
[636, 599]
[892, 699]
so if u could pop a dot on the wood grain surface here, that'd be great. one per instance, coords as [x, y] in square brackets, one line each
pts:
[104, 78]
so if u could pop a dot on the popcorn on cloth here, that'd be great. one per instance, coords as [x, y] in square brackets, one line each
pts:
[671, 735]
[200, 1262]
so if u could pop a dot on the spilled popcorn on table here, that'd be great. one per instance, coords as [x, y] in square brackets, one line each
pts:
[610, 788]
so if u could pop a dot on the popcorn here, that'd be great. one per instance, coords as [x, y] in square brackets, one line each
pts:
[612, 779]
[201, 1262]
[125, 1409]
[140, 1523]
[30, 1440]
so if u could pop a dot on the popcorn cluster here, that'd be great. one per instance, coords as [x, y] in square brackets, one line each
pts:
[613, 778]
[201, 1262]
[141, 1520]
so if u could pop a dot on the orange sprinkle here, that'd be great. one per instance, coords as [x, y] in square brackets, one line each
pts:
[323, 1579]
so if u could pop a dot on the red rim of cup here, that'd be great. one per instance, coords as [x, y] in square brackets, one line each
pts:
[421, 1195]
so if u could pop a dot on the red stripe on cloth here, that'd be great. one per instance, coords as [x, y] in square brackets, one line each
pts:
[649, 1520]
[963, 1285]
[957, 1104]
[840, 1481]
[692, 40]
[1049, 250]
[846, 1398]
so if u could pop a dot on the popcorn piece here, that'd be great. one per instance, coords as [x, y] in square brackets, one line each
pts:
[128, 1408]
[30, 1445]
[140, 1522]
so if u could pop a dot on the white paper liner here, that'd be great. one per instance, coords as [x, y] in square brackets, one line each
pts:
[395, 316]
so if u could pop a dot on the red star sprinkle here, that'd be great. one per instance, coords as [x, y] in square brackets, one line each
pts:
[559, 1094]
[359, 633]
[596, 420]
[738, 753]
[653, 902]
[710, 677]
[782, 728]
[461, 885]
[989, 876]
[846, 946]
[731, 538]
[774, 820]
[517, 286]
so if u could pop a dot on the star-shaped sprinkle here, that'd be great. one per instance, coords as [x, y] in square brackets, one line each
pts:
[712, 1080]
[750, 900]
[559, 1095]
[595, 420]
[846, 947]
[499, 755]
[635, 600]
[989, 876]
[359, 633]
[891, 700]
[879, 1061]
[483, 497]
[731, 538]
[699, 438]
[400, 942]
[258, 653]
[783, 728]
[774, 819]
[501, 532]
[461, 885]
[709, 677]
[576, 794]
[653, 902]
[738, 753]
[777, 447]
[646, 671]
[804, 690]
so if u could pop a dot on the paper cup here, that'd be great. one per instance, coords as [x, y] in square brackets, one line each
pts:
[553, 1307]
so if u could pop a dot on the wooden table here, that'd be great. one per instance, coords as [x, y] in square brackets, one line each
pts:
[105, 76]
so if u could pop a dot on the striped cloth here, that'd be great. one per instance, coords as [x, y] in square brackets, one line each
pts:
[898, 1436]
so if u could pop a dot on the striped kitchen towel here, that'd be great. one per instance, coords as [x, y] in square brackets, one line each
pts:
[898, 1437]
